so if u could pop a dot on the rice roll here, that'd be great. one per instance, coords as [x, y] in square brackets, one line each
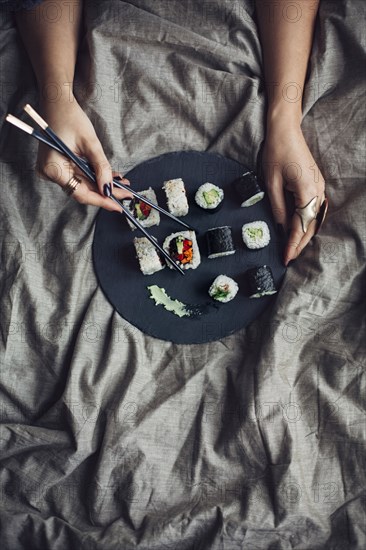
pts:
[260, 281]
[248, 189]
[209, 197]
[183, 249]
[141, 211]
[219, 242]
[223, 289]
[147, 255]
[176, 197]
[256, 234]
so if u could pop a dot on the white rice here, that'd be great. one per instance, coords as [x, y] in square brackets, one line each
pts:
[154, 216]
[200, 198]
[223, 283]
[196, 259]
[264, 293]
[147, 256]
[256, 234]
[176, 197]
[253, 200]
[219, 254]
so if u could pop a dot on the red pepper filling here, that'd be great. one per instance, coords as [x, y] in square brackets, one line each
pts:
[186, 255]
[145, 209]
[141, 210]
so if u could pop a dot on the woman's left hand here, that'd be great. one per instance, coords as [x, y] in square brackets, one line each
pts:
[287, 163]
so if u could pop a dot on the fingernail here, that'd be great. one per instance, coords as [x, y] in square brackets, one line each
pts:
[287, 260]
[107, 189]
[118, 178]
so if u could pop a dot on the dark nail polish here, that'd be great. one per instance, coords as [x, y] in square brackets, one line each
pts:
[118, 178]
[107, 189]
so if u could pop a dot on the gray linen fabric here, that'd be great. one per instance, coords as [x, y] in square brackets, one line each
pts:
[114, 440]
[16, 5]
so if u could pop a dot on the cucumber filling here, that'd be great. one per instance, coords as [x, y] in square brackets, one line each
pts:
[211, 197]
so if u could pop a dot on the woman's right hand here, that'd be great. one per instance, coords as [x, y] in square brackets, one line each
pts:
[71, 124]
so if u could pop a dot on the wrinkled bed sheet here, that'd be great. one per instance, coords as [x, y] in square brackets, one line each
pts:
[114, 440]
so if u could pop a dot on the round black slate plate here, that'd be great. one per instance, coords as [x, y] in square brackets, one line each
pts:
[125, 286]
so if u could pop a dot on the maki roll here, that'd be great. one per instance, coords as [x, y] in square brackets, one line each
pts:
[219, 242]
[176, 197]
[260, 281]
[256, 234]
[147, 255]
[248, 189]
[209, 197]
[143, 212]
[223, 289]
[183, 249]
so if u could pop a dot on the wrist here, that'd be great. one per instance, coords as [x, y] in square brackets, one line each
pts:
[56, 91]
[284, 114]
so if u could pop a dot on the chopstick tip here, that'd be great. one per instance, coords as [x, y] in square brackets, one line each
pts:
[19, 123]
[35, 116]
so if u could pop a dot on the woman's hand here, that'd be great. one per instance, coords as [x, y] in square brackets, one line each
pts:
[287, 163]
[72, 125]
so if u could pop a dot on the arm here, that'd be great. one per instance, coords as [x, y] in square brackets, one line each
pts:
[286, 32]
[51, 36]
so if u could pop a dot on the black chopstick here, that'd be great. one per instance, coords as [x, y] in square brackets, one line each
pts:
[40, 136]
[43, 124]
[84, 167]
[147, 235]
[152, 204]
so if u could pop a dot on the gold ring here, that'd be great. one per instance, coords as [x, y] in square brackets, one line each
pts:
[308, 213]
[71, 185]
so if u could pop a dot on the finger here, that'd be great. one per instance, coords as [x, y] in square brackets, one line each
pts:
[84, 195]
[292, 249]
[298, 240]
[277, 197]
[96, 157]
[121, 193]
[120, 177]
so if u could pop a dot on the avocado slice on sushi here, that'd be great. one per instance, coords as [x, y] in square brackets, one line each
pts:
[223, 289]
[209, 197]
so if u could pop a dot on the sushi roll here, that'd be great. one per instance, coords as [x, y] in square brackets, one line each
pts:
[248, 189]
[144, 213]
[183, 249]
[176, 197]
[260, 281]
[209, 197]
[223, 289]
[219, 242]
[147, 255]
[256, 234]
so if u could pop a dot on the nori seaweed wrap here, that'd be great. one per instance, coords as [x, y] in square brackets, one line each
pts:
[248, 189]
[260, 281]
[219, 242]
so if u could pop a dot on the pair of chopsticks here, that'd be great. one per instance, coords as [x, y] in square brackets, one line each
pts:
[52, 140]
